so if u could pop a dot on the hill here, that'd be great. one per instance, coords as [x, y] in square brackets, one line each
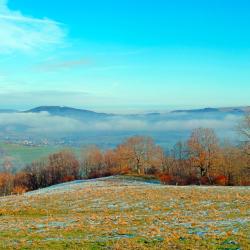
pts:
[232, 110]
[67, 111]
[126, 213]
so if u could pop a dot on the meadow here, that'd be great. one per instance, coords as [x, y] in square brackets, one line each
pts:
[21, 155]
[126, 213]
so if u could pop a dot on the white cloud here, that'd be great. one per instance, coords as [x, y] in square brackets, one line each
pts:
[22, 33]
[122, 124]
[39, 122]
[43, 122]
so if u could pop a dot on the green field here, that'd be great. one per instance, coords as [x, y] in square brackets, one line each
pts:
[22, 155]
[124, 213]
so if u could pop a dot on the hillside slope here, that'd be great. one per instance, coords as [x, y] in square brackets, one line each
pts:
[123, 213]
[68, 112]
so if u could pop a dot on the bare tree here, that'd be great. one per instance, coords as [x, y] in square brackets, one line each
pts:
[91, 161]
[63, 165]
[180, 156]
[203, 150]
[244, 129]
[140, 154]
[6, 183]
[8, 164]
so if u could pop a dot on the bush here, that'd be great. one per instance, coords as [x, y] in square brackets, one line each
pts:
[151, 171]
[68, 178]
[204, 180]
[19, 190]
[192, 180]
[166, 179]
[21, 179]
[182, 181]
[245, 183]
[221, 180]
[6, 183]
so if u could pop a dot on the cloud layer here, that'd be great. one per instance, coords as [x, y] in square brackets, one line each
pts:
[24, 34]
[43, 122]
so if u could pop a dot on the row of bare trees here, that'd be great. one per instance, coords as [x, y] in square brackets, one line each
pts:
[202, 160]
[59, 167]
[199, 160]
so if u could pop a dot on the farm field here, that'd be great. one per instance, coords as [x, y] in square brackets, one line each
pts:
[126, 213]
[22, 155]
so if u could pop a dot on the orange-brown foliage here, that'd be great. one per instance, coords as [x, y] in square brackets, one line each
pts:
[166, 179]
[19, 190]
[221, 180]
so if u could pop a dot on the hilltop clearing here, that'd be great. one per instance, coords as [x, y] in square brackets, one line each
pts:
[126, 213]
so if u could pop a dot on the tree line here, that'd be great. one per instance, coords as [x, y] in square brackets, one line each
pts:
[201, 160]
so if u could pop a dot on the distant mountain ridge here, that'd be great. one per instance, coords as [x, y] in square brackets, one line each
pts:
[244, 109]
[58, 109]
[71, 112]
[66, 111]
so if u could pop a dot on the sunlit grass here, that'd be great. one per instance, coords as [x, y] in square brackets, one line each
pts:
[120, 214]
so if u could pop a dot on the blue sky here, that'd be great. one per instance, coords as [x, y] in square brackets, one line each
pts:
[124, 56]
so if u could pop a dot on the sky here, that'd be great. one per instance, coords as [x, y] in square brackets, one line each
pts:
[124, 56]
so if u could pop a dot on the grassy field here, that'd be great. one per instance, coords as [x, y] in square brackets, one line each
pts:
[118, 213]
[22, 155]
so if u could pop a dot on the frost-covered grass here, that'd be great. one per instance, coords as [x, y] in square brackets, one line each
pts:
[126, 213]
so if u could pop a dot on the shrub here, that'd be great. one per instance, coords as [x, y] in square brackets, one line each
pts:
[21, 179]
[221, 180]
[151, 171]
[6, 183]
[182, 181]
[204, 180]
[245, 183]
[192, 180]
[19, 190]
[68, 178]
[166, 179]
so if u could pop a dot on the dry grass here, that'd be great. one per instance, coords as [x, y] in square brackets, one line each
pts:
[116, 213]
